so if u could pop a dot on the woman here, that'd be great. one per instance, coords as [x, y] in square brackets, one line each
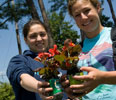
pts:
[96, 59]
[27, 85]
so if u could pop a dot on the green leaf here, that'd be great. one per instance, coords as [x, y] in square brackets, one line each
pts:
[60, 58]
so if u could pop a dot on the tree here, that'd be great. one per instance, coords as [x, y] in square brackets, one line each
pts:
[46, 21]
[32, 9]
[61, 30]
[12, 13]
[112, 11]
[16, 27]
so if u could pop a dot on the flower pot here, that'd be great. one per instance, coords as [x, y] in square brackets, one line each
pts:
[72, 81]
[57, 90]
[74, 71]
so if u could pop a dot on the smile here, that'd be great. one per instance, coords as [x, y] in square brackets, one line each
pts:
[85, 24]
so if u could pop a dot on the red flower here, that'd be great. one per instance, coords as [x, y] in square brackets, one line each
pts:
[44, 55]
[64, 48]
[68, 64]
[71, 44]
[54, 51]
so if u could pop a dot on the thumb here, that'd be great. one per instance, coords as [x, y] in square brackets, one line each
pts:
[87, 69]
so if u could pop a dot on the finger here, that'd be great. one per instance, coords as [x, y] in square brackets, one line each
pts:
[44, 91]
[81, 92]
[88, 69]
[83, 77]
[80, 86]
[46, 98]
[65, 84]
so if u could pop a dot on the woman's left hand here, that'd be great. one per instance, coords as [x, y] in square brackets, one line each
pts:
[91, 81]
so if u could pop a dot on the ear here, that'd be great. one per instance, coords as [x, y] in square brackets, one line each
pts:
[25, 40]
[99, 8]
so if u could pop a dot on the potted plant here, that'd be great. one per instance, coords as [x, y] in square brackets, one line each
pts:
[66, 60]
[50, 71]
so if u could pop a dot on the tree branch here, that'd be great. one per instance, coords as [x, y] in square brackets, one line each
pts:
[4, 3]
[5, 21]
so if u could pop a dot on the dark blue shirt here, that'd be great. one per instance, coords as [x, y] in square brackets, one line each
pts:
[23, 64]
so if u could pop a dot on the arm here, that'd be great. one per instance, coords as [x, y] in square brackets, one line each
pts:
[31, 84]
[109, 77]
[94, 78]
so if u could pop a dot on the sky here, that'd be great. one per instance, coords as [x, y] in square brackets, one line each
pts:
[8, 42]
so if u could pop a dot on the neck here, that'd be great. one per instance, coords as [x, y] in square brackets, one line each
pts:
[95, 32]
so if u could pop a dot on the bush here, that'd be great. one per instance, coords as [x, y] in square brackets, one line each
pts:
[6, 92]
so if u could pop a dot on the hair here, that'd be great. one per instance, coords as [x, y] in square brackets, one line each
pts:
[28, 25]
[72, 2]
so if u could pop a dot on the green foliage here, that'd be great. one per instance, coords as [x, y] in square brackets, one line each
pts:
[6, 92]
[61, 30]
[60, 5]
[11, 13]
[105, 21]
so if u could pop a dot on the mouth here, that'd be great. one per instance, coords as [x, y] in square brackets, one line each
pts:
[40, 45]
[89, 22]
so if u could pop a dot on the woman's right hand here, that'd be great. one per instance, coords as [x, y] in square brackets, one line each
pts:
[31, 84]
[43, 90]
[66, 86]
[69, 91]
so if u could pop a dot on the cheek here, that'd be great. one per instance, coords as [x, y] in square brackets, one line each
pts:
[78, 23]
[32, 41]
[77, 20]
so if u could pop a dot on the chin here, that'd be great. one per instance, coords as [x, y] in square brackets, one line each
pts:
[41, 50]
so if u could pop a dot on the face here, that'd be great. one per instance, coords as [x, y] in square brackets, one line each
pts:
[37, 38]
[87, 17]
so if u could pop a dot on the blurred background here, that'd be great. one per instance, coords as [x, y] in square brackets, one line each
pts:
[53, 13]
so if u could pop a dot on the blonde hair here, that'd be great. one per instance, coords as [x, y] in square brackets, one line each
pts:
[72, 2]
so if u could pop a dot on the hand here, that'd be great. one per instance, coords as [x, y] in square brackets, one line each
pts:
[65, 84]
[91, 81]
[43, 90]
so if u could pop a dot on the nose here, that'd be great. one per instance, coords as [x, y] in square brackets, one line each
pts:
[83, 16]
[39, 38]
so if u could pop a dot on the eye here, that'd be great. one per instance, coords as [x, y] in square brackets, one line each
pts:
[33, 36]
[43, 34]
[87, 11]
[77, 15]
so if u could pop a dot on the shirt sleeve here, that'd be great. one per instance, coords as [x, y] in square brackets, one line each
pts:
[16, 67]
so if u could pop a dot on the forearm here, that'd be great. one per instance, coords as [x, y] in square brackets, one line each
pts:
[109, 77]
[29, 83]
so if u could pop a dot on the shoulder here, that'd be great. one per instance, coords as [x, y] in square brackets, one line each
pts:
[17, 58]
[107, 29]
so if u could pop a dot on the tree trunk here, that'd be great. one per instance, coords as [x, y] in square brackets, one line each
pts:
[32, 9]
[16, 27]
[46, 22]
[112, 11]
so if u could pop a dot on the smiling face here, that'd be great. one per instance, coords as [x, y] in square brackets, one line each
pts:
[87, 17]
[37, 38]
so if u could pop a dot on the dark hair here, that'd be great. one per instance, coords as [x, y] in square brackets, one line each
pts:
[27, 26]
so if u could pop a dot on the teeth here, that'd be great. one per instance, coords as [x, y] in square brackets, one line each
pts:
[40, 45]
[86, 23]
